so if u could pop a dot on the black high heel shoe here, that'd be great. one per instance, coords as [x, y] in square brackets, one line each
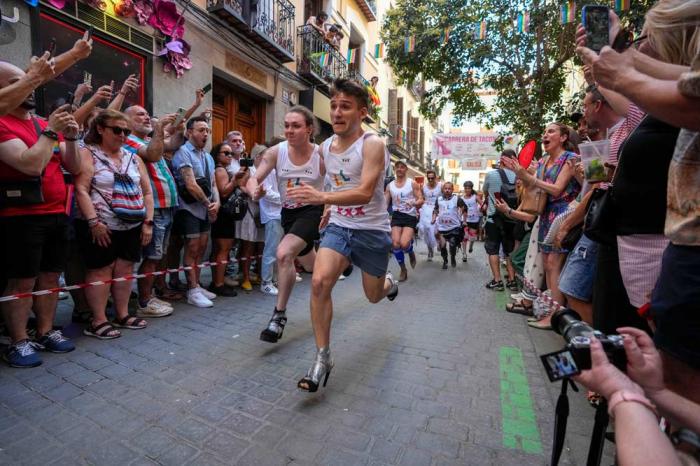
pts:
[321, 367]
[275, 327]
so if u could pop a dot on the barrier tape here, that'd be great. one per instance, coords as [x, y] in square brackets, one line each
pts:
[125, 278]
[553, 305]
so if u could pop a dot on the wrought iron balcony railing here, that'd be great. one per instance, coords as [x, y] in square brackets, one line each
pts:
[317, 59]
[275, 19]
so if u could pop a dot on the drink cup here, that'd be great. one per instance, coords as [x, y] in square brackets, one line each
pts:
[594, 154]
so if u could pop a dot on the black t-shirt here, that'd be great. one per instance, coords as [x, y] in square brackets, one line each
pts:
[639, 187]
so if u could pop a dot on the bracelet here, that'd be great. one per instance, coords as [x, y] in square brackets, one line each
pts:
[93, 221]
[50, 134]
[66, 138]
[624, 395]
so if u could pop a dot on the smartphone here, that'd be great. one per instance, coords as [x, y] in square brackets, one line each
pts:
[245, 162]
[52, 47]
[89, 32]
[87, 78]
[180, 115]
[206, 88]
[498, 196]
[560, 365]
[596, 22]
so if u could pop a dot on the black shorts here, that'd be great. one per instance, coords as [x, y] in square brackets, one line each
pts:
[473, 225]
[399, 219]
[124, 245]
[303, 222]
[33, 243]
[224, 227]
[675, 304]
[454, 236]
[187, 225]
[499, 233]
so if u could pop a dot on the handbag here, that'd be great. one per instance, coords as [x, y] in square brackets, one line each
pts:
[235, 206]
[534, 199]
[127, 198]
[28, 191]
[572, 238]
[203, 183]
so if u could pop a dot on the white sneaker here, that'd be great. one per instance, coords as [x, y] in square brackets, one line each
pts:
[269, 288]
[153, 310]
[196, 298]
[517, 296]
[160, 303]
[298, 279]
[207, 294]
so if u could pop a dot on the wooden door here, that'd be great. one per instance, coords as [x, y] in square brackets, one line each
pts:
[239, 111]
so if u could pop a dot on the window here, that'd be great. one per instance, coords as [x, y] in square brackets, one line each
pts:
[399, 111]
[108, 62]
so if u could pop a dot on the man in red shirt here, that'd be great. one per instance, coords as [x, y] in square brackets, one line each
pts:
[33, 221]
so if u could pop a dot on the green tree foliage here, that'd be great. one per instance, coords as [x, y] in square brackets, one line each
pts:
[526, 70]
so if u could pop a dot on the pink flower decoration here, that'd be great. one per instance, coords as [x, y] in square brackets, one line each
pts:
[166, 19]
[60, 4]
[144, 10]
[176, 54]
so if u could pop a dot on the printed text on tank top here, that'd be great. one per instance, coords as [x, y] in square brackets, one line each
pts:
[402, 198]
[344, 170]
[448, 213]
[290, 174]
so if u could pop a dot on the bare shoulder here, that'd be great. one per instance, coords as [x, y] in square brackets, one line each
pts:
[374, 141]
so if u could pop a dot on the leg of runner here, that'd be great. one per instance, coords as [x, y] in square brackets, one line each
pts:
[443, 250]
[397, 250]
[464, 244]
[407, 235]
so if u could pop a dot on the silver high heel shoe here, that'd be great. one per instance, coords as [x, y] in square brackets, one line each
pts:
[321, 367]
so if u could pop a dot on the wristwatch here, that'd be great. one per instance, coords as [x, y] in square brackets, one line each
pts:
[148, 222]
[50, 134]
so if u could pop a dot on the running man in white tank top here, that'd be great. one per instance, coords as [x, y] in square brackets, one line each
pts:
[431, 191]
[449, 215]
[472, 209]
[406, 198]
[297, 162]
[358, 228]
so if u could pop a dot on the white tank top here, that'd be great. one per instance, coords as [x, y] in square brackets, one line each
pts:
[472, 208]
[344, 171]
[430, 196]
[290, 175]
[448, 214]
[402, 199]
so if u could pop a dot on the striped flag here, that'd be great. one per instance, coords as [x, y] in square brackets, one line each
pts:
[480, 31]
[568, 13]
[622, 5]
[352, 55]
[446, 35]
[523, 23]
[379, 51]
[409, 44]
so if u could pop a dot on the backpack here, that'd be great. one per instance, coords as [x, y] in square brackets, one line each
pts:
[127, 198]
[508, 193]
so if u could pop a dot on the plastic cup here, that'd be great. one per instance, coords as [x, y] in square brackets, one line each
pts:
[593, 155]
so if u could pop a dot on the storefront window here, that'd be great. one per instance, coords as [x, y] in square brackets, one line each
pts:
[108, 62]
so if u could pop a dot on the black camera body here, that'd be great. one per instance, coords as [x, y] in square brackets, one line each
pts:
[245, 162]
[576, 355]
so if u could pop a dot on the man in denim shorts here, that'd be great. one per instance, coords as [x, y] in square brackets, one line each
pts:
[358, 230]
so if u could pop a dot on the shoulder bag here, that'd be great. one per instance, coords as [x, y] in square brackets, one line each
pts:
[28, 191]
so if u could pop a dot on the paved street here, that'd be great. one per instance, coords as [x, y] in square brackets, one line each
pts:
[440, 376]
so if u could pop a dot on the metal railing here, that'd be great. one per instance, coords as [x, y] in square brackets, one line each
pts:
[235, 5]
[318, 56]
[275, 19]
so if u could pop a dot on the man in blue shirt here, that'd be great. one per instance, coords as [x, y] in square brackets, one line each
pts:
[499, 230]
[198, 204]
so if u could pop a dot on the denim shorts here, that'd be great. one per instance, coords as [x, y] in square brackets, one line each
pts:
[367, 249]
[162, 223]
[576, 279]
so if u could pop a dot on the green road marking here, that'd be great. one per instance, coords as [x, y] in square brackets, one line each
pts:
[519, 421]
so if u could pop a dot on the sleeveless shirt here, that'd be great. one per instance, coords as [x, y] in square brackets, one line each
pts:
[402, 199]
[290, 175]
[448, 213]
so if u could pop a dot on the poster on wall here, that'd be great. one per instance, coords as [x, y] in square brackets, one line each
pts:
[468, 145]
[474, 164]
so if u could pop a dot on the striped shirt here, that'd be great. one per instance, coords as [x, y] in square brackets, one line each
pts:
[162, 181]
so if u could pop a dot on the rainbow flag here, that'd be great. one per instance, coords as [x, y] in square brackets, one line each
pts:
[352, 55]
[480, 31]
[523, 23]
[445, 36]
[409, 44]
[567, 13]
[379, 51]
[324, 59]
[622, 5]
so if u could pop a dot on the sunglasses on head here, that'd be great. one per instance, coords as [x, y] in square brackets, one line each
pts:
[118, 130]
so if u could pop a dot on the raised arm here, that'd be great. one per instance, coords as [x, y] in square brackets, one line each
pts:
[81, 50]
[130, 85]
[267, 164]
[103, 94]
[418, 194]
[40, 70]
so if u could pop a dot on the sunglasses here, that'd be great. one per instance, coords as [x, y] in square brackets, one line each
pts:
[118, 130]
[227, 153]
[625, 39]
[431, 178]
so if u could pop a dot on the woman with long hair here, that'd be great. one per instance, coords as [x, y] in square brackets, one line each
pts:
[116, 205]
[555, 177]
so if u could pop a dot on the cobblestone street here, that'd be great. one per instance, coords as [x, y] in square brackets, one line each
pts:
[440, 376]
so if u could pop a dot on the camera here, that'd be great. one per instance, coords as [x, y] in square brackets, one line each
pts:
[245, 162]
[576, 356]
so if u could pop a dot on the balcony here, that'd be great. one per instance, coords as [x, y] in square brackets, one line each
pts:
[317, 60]
[355, 75]
[269, 23]
[369, 9]
[397, 143]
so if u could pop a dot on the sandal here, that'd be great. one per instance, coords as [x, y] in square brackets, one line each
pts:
[130, 322]
[169, 294]
[518, 307]
[104, 331]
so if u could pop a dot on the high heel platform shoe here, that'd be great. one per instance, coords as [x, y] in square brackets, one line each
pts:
[275, 327]
[321, 368]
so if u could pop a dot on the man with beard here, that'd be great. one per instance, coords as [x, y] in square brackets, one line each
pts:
[431, 192]
[449, 214]
[164, 198]
[33, 205]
